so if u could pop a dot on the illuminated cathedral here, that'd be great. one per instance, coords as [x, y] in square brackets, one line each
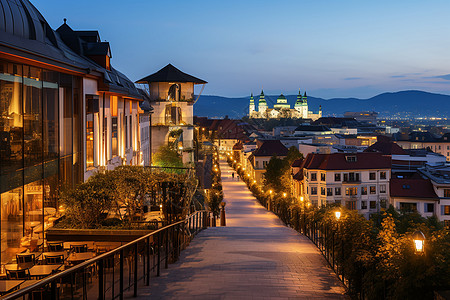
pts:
[282, 109]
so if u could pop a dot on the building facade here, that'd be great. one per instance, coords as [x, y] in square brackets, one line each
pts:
[65, 113]
[357, 181]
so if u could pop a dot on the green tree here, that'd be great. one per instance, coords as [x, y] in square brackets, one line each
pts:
[167, 157]
[274, 172]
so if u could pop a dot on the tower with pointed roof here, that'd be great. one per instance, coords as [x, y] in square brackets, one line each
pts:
[251, 107]
[172, 98]
[299, 104]
[262, 105]
[304, 111]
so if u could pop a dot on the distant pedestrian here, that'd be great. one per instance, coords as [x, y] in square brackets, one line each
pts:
[238, 177]
[232, 175]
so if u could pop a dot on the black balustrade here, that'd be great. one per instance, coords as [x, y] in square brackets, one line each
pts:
[113, 274]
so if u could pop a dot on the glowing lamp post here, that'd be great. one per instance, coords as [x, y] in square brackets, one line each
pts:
[419, 241]
[284, 195]
[337, 214]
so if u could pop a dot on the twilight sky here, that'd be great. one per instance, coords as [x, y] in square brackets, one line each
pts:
[330, 48]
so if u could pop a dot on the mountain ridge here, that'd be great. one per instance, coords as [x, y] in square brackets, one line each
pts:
[409, 103]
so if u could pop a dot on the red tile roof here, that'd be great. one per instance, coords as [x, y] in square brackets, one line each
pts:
[344, 161]
[412, 188]
[298, 176]
[270, 148]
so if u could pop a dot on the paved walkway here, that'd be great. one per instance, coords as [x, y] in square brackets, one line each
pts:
[254, 257]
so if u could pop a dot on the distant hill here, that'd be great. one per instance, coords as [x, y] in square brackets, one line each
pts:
[404, 103]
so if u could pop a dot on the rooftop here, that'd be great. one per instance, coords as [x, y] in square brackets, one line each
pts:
[170, 74]
[412, 188]
[345, 161]
[270, 148]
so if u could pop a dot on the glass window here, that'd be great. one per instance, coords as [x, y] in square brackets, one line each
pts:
[382, 188]
[363, 204]
[313, 176]
[373, 204]
[322, 191]
[32, 117]
[372, 176]
[337, 191]
[50, 117]
[446, 210]
[329, 191]
[322, 176]
[65, 115]
[364, 190]
[383, 175]
[408, 207]
[373, 189]
[92, 109]
[115, 146]
[429, 207]
[446, 192]
[351, 191]
[337, 177]
[350, 204]
[313, 190]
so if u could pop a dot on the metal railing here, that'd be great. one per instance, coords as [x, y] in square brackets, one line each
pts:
[114, 273]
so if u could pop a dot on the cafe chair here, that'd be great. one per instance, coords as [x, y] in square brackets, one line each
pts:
[18, 274]
[54, 259]
[78, 248]
[25, 258]
[55, 247]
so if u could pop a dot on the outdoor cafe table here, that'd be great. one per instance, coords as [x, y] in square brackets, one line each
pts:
[75, 258]
[106, 246]
[7, 286]
[90, 244]
[56, 253]
[40, 271]
[22, 266]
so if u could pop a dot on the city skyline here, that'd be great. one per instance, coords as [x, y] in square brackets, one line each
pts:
[345, 49]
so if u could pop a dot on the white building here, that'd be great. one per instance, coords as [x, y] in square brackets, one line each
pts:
[357, 181]
[282, 109]
[172, 98]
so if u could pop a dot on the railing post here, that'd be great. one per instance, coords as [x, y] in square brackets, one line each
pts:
[100, 280]
[166, 265]
[148, 262]
[159, 255]
[135, 269]
[53, 289]
[121, 275]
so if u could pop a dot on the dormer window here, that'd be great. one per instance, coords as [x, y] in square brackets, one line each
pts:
[350, 158]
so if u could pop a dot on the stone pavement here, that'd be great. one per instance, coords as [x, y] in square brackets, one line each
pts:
[254, 257]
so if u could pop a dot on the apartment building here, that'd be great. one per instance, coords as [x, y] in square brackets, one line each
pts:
[355, 180]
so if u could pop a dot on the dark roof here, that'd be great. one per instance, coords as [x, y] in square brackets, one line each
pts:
[336, 122]
[412, 188]
[25, 33]
[170, 74]
[312, 128]
[343, 161]
[298, 176]
[238, 146]
[386, 148]
[101, 48]
[270, 148]
[297, 163]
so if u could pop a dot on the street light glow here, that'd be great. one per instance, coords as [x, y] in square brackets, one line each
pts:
[337, 214]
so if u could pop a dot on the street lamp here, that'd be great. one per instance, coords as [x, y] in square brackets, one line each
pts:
[337, 214]
[419, 240]
[284, 195]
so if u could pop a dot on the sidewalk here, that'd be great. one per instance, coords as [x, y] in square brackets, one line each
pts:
[254, 257]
